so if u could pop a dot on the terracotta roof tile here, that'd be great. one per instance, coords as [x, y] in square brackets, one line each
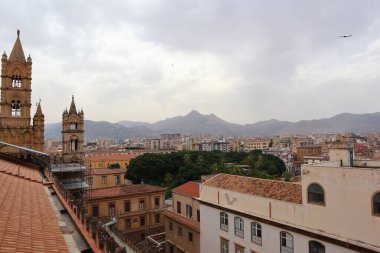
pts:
[27, 220]
[189, 189]
[125, 190]
[290, 192]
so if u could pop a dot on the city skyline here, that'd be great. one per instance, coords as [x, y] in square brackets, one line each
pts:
[243, 61]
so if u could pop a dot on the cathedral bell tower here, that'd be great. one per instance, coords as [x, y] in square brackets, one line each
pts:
[72, 134]
[15, 101]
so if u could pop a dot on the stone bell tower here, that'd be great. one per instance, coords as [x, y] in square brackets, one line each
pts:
[72, 134]
[15, 103]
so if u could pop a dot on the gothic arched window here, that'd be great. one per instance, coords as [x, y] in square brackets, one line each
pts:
[16, 108]
[73, 144]
[16, 81]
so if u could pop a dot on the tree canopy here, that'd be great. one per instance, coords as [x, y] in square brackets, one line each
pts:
[176, 168]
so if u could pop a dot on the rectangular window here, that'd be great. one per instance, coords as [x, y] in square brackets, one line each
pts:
[127, 206]
[117, 179]
[142, 221]
[239, 249]
[180, 231]
[157, 218]
[171, 248]
[178, 207]
[95, 211]
[189, 211]
[223, 245]
[111, 209]
[104, 180]
[170, 226]
[157, 202]
[127, 223]
[142, 204]
[90, 181]
[190, 237]
[198, 216]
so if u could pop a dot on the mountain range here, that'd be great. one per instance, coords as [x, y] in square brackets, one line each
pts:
[197, 123]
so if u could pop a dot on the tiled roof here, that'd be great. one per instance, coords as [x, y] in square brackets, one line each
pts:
[105, 171]
[30, 173]
[290, 192]
[189, 189]
[27, 220]
[192, 224]
[111, 157]
[125, 190]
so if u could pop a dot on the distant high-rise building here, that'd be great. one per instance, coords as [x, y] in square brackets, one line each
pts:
[72, 134]
[15, 105]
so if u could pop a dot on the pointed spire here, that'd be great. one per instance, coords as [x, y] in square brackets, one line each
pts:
[73, 109]
[17, 51]
[39, 110]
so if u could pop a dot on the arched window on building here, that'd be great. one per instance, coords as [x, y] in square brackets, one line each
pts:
[256, 233]
[73, 125]
[376, 204]
[316, 247]
[223, 221]
[16, 108]
[239, 227]
[16, 81]
[286, 242]
[74, 144]
[315, 194]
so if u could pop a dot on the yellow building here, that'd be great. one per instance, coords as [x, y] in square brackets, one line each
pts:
[107, 160]
[103, 178]
[138, 208]
[182, 232]
[16, 93]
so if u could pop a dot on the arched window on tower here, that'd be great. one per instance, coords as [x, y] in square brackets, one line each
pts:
[16, 108]
[16, 81]
[73, 125]
[73, 144]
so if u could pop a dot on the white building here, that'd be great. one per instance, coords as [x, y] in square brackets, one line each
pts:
[335, 209]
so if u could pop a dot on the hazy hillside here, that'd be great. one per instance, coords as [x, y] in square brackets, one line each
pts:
[197, 123]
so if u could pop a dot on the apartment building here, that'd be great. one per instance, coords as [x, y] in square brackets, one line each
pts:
[182, 232]
[102, 178]
[311, 150]
[138, 208]
[109, 160]
[335, 209]
[255, 144]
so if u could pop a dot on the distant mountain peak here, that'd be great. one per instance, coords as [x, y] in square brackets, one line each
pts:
[194, 113]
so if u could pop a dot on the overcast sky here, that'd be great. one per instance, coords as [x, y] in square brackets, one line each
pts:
[244, 61]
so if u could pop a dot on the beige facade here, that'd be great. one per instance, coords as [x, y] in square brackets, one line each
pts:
[72, 134]
[340, 219]
[255, 144]
[15, 105]
[138, 208]
[182, 233]
[108, 160]
[103, 178]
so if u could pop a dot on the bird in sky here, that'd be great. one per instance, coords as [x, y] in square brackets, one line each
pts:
[345, 36]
